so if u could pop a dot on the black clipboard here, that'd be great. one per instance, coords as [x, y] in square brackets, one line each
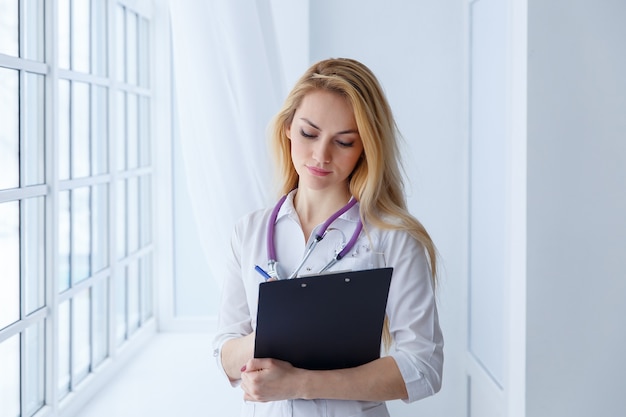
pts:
[322, 322]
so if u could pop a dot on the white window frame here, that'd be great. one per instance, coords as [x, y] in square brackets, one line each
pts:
[159, 172]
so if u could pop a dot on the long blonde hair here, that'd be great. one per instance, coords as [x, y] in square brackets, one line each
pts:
[376, 181]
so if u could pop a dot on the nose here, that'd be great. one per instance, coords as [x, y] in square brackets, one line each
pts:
[321, 151]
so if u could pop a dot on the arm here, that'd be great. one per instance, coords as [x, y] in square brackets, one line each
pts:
[235, 354]
[411, 371]
[234, 341]
[413, 318]
[271, 380]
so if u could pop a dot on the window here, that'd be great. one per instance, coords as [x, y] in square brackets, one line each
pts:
[76, 184]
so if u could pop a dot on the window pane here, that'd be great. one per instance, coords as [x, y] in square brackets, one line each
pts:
[99, 40]
[80, 130]
[145, 210]
[81, 325]
[81, 234]
[133, 215]
[145, 269]
[133, 297]
[64, 240]
[100, 300]
[131, 45]
[32, 152]
[99, 131]
[120, 43]
[33, 371]
[120, 306]
[33, 234]
[32, 44]
[10, 377]
[9, 28]
[80, 35]
[144, 57]
[10, 131]
[132, 132]
[64, 129]
[64, 349]
[63, 13]
[100, 227]
[120, 139]
[144, 131]
[121, 219]
[9, 263]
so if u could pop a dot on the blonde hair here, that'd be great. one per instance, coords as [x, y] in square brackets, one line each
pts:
[376, 181]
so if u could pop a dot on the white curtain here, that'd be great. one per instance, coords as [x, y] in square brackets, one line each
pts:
[228, 85]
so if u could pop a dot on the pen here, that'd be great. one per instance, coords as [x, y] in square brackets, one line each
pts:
[262, 272]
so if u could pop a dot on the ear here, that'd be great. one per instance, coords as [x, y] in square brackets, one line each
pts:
[287, 129]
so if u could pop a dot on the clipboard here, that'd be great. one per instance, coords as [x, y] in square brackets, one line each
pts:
[323, 322]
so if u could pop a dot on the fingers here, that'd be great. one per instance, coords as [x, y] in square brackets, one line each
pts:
[251, 383]
[266, 380]
[256, 364]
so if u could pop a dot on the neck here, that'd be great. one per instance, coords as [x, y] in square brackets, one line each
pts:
[314, 207]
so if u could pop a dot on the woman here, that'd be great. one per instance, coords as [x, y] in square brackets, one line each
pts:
[335, 140]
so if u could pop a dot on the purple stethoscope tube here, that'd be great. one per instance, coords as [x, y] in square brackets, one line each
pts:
[271, 247]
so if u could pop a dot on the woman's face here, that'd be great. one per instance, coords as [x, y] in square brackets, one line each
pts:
[325, 143]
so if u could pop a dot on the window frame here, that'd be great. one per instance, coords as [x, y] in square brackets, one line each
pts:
[157, 257]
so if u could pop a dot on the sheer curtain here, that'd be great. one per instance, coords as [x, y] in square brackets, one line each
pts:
[228, 85]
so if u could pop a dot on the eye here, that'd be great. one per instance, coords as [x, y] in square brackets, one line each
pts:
[306, 134]
[344, 144]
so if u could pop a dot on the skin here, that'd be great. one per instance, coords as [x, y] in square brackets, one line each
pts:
[325, 148]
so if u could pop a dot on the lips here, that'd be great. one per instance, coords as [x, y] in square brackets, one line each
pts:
[318, 172]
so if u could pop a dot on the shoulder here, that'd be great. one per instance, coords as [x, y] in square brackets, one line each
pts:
[252, 222]
[253, 217]
[394, 239]
[397, 237]
[398, 228]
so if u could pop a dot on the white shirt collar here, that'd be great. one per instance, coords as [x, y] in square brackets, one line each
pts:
[288, 209]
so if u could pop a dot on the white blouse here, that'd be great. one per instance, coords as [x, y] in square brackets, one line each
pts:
[413, 321]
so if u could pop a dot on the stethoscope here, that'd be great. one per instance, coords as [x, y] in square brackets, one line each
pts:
[321, 233]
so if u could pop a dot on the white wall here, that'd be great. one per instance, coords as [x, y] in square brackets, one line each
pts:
[556, 98]
[576, 333]
[416, 49]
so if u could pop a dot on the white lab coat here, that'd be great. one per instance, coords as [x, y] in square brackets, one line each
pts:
[411, 309]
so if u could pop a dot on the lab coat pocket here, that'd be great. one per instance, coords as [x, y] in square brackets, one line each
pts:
[362, 257]
[378, 411]
[272, 408]
[339, 408]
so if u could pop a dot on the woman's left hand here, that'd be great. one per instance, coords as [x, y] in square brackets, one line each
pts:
[270, 380]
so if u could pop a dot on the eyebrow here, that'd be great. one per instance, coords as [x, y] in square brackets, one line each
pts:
[343, 132]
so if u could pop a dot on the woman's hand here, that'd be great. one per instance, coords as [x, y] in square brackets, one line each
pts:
[270, 380]
[273, 380]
